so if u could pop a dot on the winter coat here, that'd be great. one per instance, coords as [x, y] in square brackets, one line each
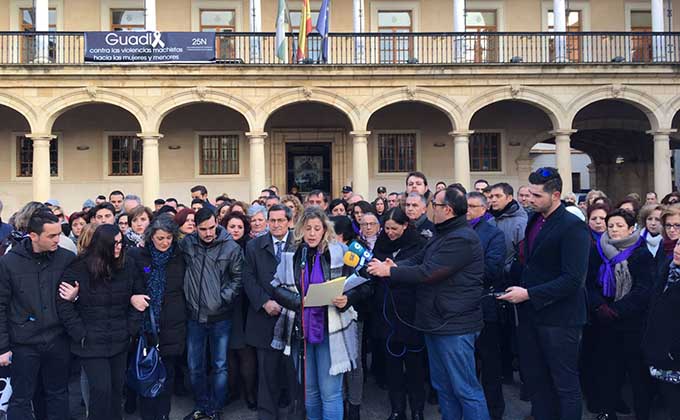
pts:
[28, 295]
[661, 342]
[102, 321]
[173, 316]
[386, 299]
[5, 230]
[448, 273]
[512, 220]
[493, 244]
[212, 280]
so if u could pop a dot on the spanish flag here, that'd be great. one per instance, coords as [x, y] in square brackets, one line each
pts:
[305, 29]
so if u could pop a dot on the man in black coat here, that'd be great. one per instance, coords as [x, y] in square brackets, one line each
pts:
[448, 272]
[32, 339]
[275, 371]
[552, 300]
[489, 342]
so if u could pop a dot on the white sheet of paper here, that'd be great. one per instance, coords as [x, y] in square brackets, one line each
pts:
[322, 294]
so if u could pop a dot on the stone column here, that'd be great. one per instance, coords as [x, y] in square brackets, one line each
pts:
[150, 15]
[42, 24]
[563, 156]
[258, 180]
[658, 44]
[461, 157]
[360, 162]
[663, 178]
[560, 25]
[41, 166]
[459, 27]
[359, 28]
[151, 168]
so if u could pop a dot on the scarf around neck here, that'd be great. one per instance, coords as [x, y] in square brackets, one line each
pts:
[653, 242]
[135, 238]
[156, 280]
[314, 318]
[614, 275]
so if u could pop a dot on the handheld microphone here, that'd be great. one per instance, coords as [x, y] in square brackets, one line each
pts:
[351, 259]
[364, 254]
[303, 263]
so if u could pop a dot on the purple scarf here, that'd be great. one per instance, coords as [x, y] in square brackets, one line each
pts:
[605, 275]
[314, 318]
[473, 222]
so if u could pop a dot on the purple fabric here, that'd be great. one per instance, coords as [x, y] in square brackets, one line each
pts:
[473, 222]
[606, 276]
[533, 232]
[487, 216]
[314, 318]
[596, 236]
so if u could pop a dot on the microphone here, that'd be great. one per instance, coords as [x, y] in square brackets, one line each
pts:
[303, 263]
[358, 256]
[350, 259]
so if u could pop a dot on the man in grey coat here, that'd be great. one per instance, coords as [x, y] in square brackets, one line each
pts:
[510, 217]
[212, 282]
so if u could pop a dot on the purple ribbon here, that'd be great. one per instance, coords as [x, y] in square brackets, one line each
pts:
[606, 276]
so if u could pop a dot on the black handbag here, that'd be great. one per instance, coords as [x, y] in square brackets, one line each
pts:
[146, 373]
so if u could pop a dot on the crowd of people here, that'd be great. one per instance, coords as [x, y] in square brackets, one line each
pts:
[447, 294]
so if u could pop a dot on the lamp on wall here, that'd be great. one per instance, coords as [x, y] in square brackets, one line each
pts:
[174, 147]
[82, 148]
[439, 145]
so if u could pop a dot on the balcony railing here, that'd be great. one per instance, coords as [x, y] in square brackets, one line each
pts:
[371, 49]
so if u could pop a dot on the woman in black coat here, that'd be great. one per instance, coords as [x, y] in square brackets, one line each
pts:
[405, 356]
[618, 297]
[661, 343]
[159, 290]
[101, 321]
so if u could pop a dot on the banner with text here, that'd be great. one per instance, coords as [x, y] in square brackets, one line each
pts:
[149, 47]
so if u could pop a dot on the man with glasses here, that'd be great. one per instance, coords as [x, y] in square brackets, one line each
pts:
[275, 370]
[416, 210]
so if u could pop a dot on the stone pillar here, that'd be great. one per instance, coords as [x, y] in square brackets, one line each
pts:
[658, 41]
[359, 28]
[459, 27]
[523, 170]
[41, 166]
[560, 25]
[255, 26]
[151, 168]
[150, 15]
[461, 157]
[258, 181]
[663, 178]
[360, 162]
[563, 157]
[42, 24]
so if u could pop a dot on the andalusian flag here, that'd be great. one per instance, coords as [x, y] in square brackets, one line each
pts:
[281, 42]
[305, 29]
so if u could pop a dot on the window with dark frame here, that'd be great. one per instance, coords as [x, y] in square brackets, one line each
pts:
[574, 19]
[128, 20]
[485, 152]
[397, 48]
[641, 45]
[397, 152]
[219, 154]
[27, 24]
[25, 157]
[125, 155]
[220, 20]
[481, 48]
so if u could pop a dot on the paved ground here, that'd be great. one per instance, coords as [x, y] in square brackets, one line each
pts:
[376, 406]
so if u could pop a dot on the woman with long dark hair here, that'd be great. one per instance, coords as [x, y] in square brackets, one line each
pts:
[101, 320]
[241, 358]
[403, 346]
[160, 291]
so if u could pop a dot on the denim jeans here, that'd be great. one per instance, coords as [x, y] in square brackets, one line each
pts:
[323, 400]
[452, 370]
[208, 398]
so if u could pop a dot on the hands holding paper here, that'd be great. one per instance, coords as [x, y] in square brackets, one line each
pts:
[380, 269]
[340, 302]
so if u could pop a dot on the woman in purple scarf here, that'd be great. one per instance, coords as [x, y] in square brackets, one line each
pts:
[618, 297]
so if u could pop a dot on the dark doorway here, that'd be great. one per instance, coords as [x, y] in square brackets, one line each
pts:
[308, 165]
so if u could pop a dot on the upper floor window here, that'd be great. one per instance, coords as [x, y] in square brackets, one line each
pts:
[125, 155]
[481, 48]
[25, 157]
[641, 45]
[219, 154]
[27, 19]
[396, 48]
[28, 43]
[574, 24]
[485, 152]
[127, 20]
[313, 43]
[212, 20]
[397, 152]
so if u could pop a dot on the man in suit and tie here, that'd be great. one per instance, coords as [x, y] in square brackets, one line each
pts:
[552, 300]
[275, 371]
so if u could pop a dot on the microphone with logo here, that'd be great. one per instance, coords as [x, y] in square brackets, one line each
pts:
[357, 256]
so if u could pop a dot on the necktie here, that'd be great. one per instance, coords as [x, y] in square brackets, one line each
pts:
[279, 250]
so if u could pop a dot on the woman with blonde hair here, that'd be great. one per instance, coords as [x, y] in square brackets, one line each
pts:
[295, 205]
[329, 337]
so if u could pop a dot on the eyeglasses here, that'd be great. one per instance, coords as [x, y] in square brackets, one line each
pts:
[122, 223]
[370, 224]
[670, 226]
[474, 206]
[435, 204]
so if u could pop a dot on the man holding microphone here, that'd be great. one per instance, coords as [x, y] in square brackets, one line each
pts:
[449, 273]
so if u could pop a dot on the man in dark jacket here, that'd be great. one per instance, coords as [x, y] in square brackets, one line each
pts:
[552, 295]
[510, 218]
[32, 339]
[489, 342]
[275, 371]
[211, 284]
[416, 210]
[449, 272]
[5, 228]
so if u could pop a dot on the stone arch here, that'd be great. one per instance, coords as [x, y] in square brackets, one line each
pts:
[414, 94]
[201, 95]
[672, 109]
[651, 107]
[551, 106]
[22, 107]
[301, 95]
[90, 95]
